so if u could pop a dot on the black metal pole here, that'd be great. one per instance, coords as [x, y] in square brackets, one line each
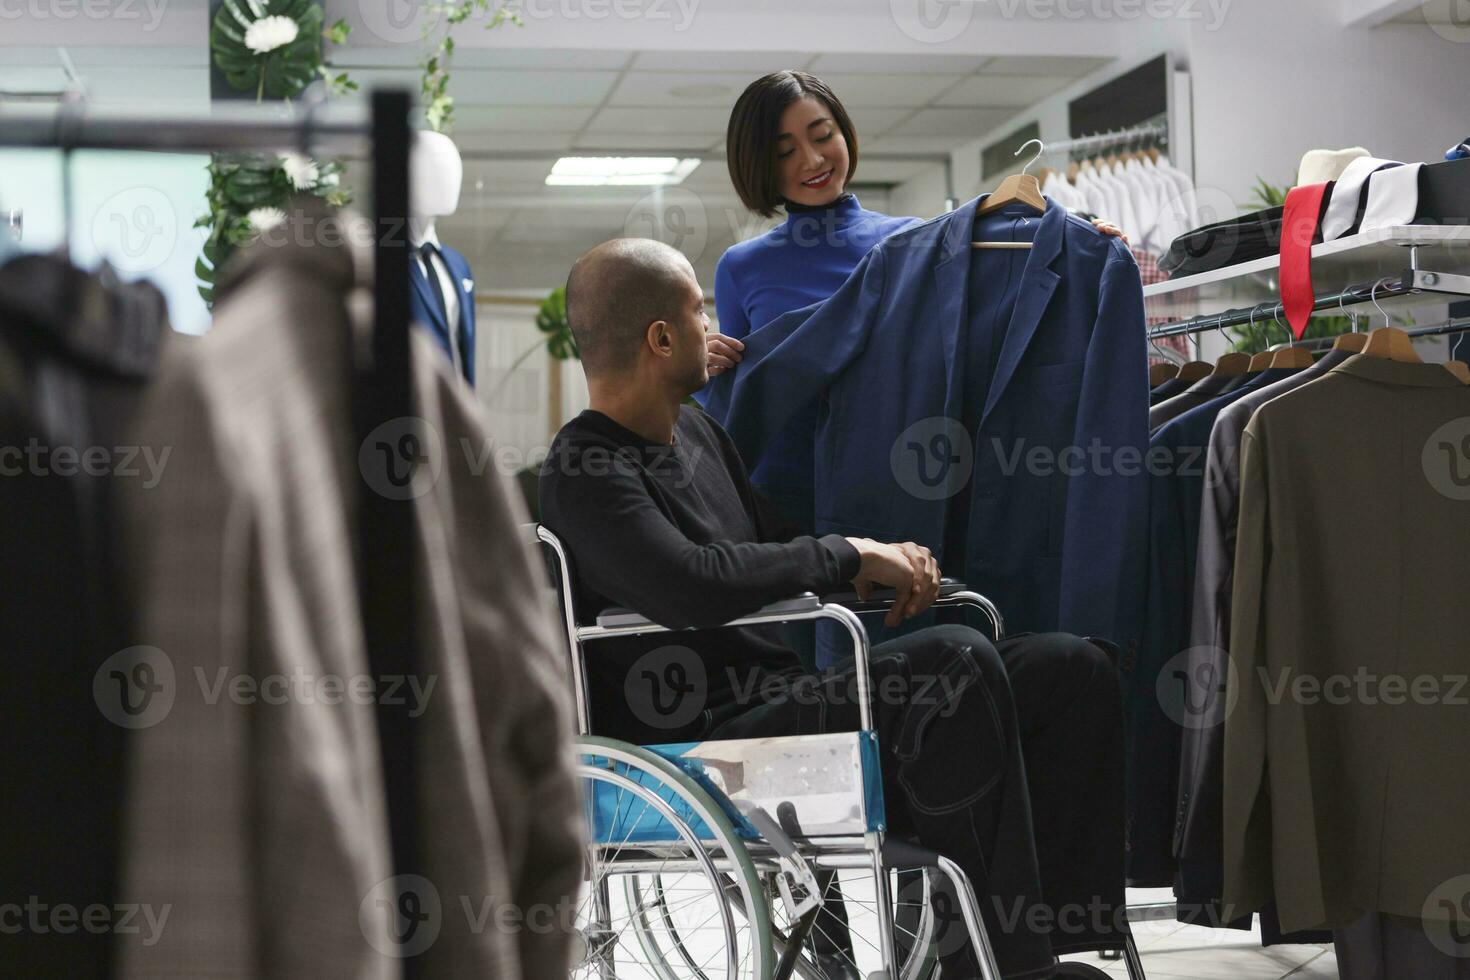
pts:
[386, 531]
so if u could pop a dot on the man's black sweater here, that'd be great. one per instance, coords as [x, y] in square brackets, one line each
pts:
[677, 534]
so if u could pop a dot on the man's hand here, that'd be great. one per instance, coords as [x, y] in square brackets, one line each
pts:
[723, 352]
[907, 567]
[1108, 228]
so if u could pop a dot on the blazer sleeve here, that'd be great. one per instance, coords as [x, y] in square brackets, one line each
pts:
[1103, 574]
[790, 361]
[1247, 810]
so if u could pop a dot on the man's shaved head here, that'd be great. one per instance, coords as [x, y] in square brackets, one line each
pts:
[615, 291]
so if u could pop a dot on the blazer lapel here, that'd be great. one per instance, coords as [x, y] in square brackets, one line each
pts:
[952, 286]
[1038, 283]
[426, 297]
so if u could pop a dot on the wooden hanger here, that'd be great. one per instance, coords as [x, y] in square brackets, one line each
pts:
[1021, 188]
[1460, 370]
[1232, 365]
[1159, 373]
[1259, 362]
[1291, 357]
[1351, 342]
[1194, 370]
[1391, 344]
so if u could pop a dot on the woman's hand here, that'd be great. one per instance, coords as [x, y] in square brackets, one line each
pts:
[1108, 228]
[723, 352]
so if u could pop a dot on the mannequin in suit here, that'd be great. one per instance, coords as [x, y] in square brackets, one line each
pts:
[443, 297]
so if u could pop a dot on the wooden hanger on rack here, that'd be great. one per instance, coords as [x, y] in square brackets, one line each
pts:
[1350, 342]
[1159, 373]
[1391, 344]
[1460, 370]
[1232, 365]
[1259, 362]
[1292, 358]
[1194, 370]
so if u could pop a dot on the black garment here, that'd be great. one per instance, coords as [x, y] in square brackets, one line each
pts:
[677, 533]
[76, 351]
[1165, 390]
[1196, 395]
[673, 532]
[793, 207]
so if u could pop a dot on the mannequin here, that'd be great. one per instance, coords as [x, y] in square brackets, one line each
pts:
[437, 172]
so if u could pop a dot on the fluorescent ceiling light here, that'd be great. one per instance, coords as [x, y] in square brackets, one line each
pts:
[604, 171]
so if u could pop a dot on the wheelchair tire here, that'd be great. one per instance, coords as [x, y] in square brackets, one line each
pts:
[691, 905]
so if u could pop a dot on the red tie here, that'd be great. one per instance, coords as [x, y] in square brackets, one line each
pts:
[1299, 221]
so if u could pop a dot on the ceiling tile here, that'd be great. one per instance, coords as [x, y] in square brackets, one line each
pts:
[752, 64]
[959, 124]
[676, 89]
[471, 140]
[852, 62]
[874, 122]
[540, 119]
[697, 124]
[888, 90]
[1074, 67]
[472, 87]
[639, 142]
[1003, 90]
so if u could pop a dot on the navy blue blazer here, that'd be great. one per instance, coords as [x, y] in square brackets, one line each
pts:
[1054, 550]
[425, 309]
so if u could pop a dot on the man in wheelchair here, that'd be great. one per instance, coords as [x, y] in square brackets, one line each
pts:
[1006, 757]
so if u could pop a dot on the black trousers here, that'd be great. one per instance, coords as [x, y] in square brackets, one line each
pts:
[1006, 758]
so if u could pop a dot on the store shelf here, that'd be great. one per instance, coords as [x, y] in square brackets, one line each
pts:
[1336, 265]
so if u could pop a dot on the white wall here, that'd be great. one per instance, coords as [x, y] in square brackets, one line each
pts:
[1278, 79]
[1271, 80]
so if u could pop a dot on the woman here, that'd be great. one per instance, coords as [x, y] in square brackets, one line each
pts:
[790, 143]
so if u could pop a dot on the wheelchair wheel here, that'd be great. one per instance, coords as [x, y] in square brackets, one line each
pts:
[832, 952]
[669, 891]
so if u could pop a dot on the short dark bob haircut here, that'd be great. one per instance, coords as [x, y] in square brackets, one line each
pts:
[750, 139]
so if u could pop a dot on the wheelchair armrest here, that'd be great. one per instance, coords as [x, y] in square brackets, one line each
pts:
[883, 598]
[801, 606]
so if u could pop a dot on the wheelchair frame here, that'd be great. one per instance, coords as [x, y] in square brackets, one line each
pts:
[831, 853]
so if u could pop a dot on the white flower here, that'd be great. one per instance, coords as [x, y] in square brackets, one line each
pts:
[331, 180]
[269, 33]
[264, 219]
[301, 171]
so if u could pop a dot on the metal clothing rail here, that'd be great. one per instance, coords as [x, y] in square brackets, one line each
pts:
[1158, 132]
[380, 391]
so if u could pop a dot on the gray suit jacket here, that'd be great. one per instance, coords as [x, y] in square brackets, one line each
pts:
[256, 812]
[1345, 796]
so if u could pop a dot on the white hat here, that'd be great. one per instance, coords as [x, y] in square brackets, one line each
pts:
[1320, 166]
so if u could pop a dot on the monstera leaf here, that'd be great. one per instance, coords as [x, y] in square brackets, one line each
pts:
[281, 72]
[551, 320]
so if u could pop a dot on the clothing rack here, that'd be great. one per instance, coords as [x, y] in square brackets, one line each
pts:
[381, 388]
[1413, 282]
[1157, 131]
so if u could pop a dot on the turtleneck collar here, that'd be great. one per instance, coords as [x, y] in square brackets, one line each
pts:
[846, 202]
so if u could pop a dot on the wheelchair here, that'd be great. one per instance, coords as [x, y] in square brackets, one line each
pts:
[713, 859]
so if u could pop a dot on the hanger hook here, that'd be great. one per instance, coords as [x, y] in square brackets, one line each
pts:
[1373, 295]
[1341, 308]
[1040, 149]
[1276, 319]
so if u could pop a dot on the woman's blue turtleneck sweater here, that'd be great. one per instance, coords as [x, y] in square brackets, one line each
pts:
[799, 262]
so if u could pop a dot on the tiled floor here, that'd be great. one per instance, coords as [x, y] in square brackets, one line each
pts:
[1173, 951]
